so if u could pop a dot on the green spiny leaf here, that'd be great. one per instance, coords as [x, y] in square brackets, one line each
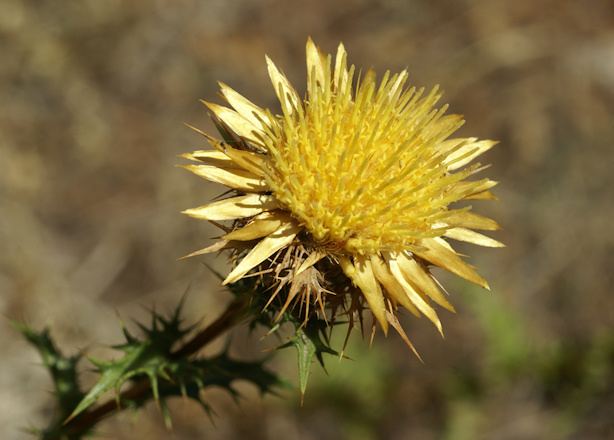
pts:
[148, 357]
[187, 378]
[306, 349]
[114, 374]
[63, 372]
[63, 369]
[315, 330]
[309, 340]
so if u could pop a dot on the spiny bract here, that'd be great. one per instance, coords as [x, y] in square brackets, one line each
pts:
[357, 176]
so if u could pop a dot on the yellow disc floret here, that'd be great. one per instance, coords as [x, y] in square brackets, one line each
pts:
[362, 170]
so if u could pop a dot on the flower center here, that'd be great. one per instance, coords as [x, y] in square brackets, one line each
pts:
[362, 173]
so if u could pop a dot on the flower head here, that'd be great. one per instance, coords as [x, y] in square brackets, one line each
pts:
[346, 197]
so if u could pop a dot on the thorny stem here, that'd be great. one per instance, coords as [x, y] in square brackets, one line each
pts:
[234, 314]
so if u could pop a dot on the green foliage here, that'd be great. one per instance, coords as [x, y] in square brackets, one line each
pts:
[63, 371]
[309, 338]
[221, 371]
[150, 365]
[154, 364]
[149, 356]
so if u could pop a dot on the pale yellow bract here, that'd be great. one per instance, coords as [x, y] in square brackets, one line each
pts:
[359, 172]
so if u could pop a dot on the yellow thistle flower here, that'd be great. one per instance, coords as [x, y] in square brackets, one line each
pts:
[353, 182]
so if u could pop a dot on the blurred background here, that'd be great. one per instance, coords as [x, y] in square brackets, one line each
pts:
[94, 96]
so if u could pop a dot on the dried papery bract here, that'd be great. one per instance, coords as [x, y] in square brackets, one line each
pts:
[343, 201]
